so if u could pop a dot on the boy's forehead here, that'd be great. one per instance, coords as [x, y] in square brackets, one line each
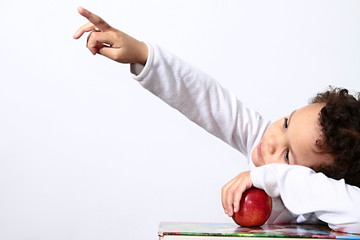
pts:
[305, 122]
[308, 114]
[313, 107]
[305, 131]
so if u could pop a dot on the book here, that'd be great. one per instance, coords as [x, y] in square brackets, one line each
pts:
[231, 231]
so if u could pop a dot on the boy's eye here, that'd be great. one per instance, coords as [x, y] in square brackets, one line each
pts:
[286, 122]
[286, 156]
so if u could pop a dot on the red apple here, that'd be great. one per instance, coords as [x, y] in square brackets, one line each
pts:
[255, 208]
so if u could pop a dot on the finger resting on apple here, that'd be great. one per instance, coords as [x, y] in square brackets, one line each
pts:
[254, 208]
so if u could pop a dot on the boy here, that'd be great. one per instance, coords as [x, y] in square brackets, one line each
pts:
[287, 158]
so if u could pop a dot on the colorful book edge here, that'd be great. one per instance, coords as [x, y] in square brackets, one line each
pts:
[233, 230]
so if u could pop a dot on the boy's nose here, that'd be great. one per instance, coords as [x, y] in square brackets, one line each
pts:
[271, 146]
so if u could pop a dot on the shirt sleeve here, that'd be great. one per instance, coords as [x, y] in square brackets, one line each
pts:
[304, 191]
[200, 98]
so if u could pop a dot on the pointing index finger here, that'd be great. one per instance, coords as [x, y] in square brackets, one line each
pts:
[94, 19]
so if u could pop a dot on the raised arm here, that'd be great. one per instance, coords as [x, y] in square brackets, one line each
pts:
[110, 42]
[195, 94]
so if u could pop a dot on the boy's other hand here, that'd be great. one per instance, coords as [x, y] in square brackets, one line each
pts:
[232, 192]
[110, 42]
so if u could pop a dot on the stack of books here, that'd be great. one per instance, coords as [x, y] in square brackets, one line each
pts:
[231, 231]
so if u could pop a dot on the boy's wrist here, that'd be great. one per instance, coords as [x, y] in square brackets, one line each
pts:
[140, 71]
[143, 53]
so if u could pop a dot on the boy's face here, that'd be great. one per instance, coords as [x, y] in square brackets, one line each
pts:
[291, 140]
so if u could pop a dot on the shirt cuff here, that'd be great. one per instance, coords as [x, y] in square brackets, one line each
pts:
[139, 71]
[265, 178]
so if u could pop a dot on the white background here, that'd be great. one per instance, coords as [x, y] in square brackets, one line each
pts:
[87, 153]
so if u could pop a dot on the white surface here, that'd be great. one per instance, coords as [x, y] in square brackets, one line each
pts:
[86, 153]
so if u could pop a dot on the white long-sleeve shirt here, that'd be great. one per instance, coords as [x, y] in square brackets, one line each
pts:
[299, 194]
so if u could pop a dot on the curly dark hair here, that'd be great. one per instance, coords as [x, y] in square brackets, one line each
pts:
[340, 122]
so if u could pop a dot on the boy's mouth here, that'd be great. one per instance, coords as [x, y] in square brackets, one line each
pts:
[258, 149]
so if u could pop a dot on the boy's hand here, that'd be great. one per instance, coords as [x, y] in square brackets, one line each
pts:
[232, 192]
[110, 42]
